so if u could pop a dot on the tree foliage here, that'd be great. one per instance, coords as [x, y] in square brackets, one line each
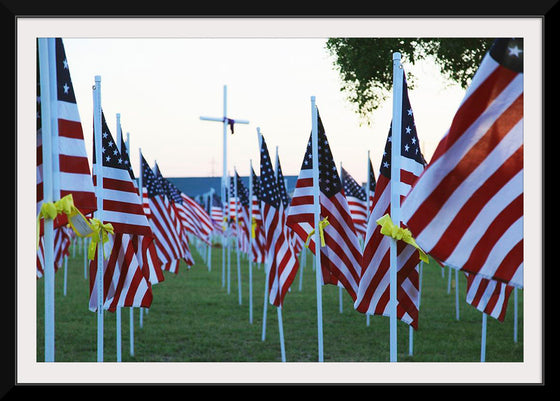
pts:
[366, 70]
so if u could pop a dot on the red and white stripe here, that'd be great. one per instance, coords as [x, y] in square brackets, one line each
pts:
[281, 261]
[358, 211]
[488, 296]
[467, 207]
[125, 284]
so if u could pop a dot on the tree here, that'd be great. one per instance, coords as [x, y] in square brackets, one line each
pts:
[366, 70]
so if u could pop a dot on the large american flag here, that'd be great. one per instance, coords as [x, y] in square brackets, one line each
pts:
[466, 209]
[71, 172]
[373, 295]
[341, 256]
[357, 199]
[281, 261]
[126, 282]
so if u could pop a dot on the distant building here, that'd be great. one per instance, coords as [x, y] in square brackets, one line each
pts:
[198, 186]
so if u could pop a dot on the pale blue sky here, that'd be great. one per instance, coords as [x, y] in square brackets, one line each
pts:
[161, 87]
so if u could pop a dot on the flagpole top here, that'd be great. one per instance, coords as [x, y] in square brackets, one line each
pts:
[396, 56]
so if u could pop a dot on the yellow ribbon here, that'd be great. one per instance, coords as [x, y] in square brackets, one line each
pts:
[100, 232]
[224, 224]
[399, 233]
[253, 227]
[322, 224]
[49, 210]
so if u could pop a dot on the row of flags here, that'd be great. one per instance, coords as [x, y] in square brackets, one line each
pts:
[464, 208]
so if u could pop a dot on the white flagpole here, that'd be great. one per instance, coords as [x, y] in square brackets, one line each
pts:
[483, 338]
[279, 308]
[338, 285]
[46, 82]
[118, 310]
[395, 196]
[317, 216]
[515, 314]
[367, 211]
[65, 274]
[99, 211]
[251, 241]
[267, 272]
[457, 294]
[228, 231]
[237, 217]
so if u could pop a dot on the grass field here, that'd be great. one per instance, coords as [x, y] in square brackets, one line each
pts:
[194, 318]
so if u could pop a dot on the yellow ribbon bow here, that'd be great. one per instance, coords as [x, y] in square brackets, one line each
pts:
[322, 224]
[49, 210]
[253, 227]
[399, 233]
[100, 232]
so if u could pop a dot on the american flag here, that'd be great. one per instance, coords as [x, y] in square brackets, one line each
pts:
[243, 220]
[281, 261]
[144, 246]
[259, 240]
[341, 256]
[126, 282]
[216, 213]
[71, 172]
[198, 219]
[357, 199]
[466, 209]
[488, 296]
[162, 220]
[173, 194]
[373, 295]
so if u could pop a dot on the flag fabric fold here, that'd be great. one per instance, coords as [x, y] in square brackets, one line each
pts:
[466, 209]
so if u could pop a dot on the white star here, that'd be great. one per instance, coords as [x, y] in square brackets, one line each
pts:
[385, 164]
[65, 63]
[409, 111]
[514, 51]
[408, 129]
[406, 147]
[66, 87]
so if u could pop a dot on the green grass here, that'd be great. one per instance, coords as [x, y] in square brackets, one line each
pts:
[193, 318]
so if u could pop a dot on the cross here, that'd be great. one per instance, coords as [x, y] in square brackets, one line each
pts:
[225, 120]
